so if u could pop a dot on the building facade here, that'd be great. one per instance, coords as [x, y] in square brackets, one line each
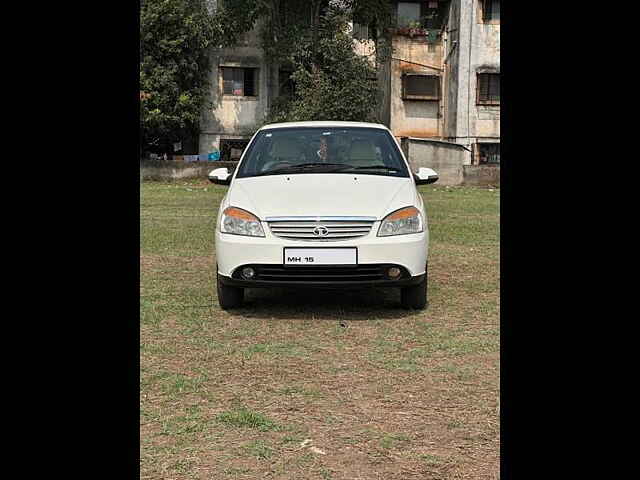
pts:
[239, 97]
[441, 83]
[472, 79]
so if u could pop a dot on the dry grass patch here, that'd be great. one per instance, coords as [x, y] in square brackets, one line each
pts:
[382, 392]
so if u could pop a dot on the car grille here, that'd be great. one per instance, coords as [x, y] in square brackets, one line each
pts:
[330, 228]
[317, 273]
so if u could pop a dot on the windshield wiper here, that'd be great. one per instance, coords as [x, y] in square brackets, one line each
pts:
[331, 167]
[375, 167]
[318, 164]
[305, 166]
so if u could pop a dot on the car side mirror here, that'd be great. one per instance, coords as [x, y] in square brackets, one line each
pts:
[425, 175]
[220, 176]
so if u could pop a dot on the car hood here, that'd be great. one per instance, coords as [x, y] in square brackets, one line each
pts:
[322, 194]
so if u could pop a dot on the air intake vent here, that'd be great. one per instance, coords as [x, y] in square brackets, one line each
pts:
[320, 229]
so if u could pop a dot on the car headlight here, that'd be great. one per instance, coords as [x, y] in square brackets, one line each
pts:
[401, 222]
[240, 222]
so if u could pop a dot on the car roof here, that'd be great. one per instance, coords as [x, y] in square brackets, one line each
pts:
[324, 124]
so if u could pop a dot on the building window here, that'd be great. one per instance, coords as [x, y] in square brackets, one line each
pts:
[425, 14]
[421, 87]
[489, 89]
[491, 11]
[361, 32]
[240, 82]
[408, 13]
[231, 150]
[489, 153]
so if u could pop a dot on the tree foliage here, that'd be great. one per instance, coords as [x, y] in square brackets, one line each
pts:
[307, 37]
[175, 36]
[311, 39]
[331, 81]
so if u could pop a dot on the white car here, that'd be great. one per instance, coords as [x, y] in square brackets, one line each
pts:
[322, 204]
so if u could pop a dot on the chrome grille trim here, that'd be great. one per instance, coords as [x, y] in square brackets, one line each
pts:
[320, 219]
[338, 228]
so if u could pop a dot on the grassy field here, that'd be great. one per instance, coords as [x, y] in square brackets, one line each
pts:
[318, 385]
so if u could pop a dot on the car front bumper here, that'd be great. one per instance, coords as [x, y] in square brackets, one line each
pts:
[320, 276]
[233, 252]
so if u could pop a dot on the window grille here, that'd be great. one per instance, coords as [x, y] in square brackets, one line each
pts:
[489, 153]
[491, 11]
[239, 81]
[489, 88]
[421, 87]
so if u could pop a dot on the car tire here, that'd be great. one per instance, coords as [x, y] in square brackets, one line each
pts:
[415, 297]
[228, 296]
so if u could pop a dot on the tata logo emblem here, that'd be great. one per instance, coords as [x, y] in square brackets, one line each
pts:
[321, 231]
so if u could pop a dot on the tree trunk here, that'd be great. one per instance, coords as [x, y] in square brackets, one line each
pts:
[315, 21]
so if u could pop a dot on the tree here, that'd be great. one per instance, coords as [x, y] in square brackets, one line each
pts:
[331, 81]
[175, 39]
[311, 39]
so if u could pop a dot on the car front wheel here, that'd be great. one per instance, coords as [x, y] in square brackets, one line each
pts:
[229, 297]
[415, 296]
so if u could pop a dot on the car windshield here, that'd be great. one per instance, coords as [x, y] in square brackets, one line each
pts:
[370, 151]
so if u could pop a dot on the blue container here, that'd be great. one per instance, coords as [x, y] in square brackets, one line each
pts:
[214, 156]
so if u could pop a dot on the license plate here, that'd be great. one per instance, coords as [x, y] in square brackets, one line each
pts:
[321, 256]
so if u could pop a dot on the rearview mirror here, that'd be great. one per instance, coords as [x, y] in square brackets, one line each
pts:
[220, 176]
[425, 175]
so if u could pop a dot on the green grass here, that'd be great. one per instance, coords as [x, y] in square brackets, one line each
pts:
[234, 394]
[393, 441]
[192, 421]
[431, 459]
[245, 418]
[178, 384]
[274, 349]
[295, 391]
[235, 471]
[258, 449]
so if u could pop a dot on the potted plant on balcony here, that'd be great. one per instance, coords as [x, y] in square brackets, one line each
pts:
[410, 28]
[415, 29]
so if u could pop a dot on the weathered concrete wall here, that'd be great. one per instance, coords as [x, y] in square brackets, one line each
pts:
[413, 118]
[467, 47]
[445, 158]
[482, 175]
[477, 50]
[485, 56]
[150, 170]
[230, 117]
[450, 59]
